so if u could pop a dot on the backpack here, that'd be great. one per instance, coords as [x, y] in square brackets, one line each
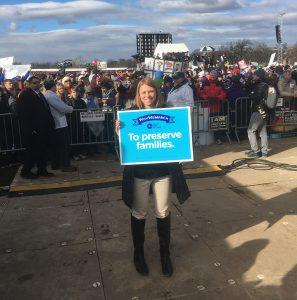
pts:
[272, 97]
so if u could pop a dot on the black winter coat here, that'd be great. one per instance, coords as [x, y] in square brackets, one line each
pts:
[258, 95]
[35, 116]
[179, 183]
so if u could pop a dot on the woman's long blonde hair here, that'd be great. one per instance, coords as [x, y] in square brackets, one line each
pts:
[147, 81]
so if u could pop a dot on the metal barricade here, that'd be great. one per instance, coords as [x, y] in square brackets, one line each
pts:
[209, 121]
[240, 115]
[282, 118]
[91, 126]
[86, 127]
[10, 133]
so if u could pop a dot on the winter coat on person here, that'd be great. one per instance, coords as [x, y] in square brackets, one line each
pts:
[286, 88]
[181, 95]
[234, 90]
[34, 113]
[4, 101]
[215, 94]
[179, 185]
[258, 96]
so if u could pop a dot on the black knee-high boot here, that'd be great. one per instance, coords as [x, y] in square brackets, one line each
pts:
[163, 226]
[137, 229]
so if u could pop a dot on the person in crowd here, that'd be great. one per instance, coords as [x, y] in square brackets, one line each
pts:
[37, 124]
[136, 185]
[288, 90]
[294, 75]
[158, 80]
[215, 95]
[60, 90]
[202, 71]
[279, 71]
[181, 94]
[259, 117]
[8, 97]
[8, 126]
[108, 94]
[166, 87]
[79, 130]
[59, 109]
[90, 99]
[234, 90]
[67, 84]
[2, 75]
[95, 85]
[121, 95]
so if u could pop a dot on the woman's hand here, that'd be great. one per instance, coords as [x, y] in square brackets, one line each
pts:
[117, 126]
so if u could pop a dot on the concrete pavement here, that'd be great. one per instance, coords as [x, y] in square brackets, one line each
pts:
[235, 238]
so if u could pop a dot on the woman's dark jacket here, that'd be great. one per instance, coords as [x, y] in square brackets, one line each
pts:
[180, 186]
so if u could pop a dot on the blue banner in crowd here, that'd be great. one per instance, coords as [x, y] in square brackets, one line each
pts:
[155, 135]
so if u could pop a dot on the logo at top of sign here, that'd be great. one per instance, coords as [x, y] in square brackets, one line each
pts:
[153, 117]
[151, 126]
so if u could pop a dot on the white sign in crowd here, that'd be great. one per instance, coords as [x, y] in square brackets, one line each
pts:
[11, 71]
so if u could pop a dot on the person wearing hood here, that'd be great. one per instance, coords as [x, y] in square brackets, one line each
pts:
[258, 121]
[181, 94]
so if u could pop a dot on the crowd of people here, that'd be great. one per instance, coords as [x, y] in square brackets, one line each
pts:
[214, 85]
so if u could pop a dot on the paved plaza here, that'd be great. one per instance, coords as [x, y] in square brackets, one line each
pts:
[235, 238]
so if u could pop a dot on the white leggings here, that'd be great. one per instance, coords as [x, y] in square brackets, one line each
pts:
[161, 189]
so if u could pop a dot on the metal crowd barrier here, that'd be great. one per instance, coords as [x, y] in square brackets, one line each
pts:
[282, 119]
[240, 115]
[209, 122]
[86, 127]
[10, 133]
[96, 126]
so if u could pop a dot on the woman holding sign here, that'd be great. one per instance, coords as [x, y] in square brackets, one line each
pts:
[138, 180]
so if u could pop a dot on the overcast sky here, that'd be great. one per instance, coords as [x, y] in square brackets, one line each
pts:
[37, 31]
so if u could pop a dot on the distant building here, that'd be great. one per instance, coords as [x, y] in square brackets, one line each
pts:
[147, 42]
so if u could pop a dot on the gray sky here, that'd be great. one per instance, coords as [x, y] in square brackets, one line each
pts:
[49, 31]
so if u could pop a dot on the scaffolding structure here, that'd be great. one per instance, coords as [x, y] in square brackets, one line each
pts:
[280, 44]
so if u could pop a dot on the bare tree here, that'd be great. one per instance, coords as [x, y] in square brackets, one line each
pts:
[238, 50]
[125, 63]
[292, 54]
[260, 53]
[248, 50]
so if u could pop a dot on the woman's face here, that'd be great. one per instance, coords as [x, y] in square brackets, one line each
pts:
[147, 96]
[60, 89]
[74, 94]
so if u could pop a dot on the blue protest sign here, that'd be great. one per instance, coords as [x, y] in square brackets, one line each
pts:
[151, 136]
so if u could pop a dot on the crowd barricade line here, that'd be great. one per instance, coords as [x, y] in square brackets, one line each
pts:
[282, 119]
[10, 133]
[96, 126]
